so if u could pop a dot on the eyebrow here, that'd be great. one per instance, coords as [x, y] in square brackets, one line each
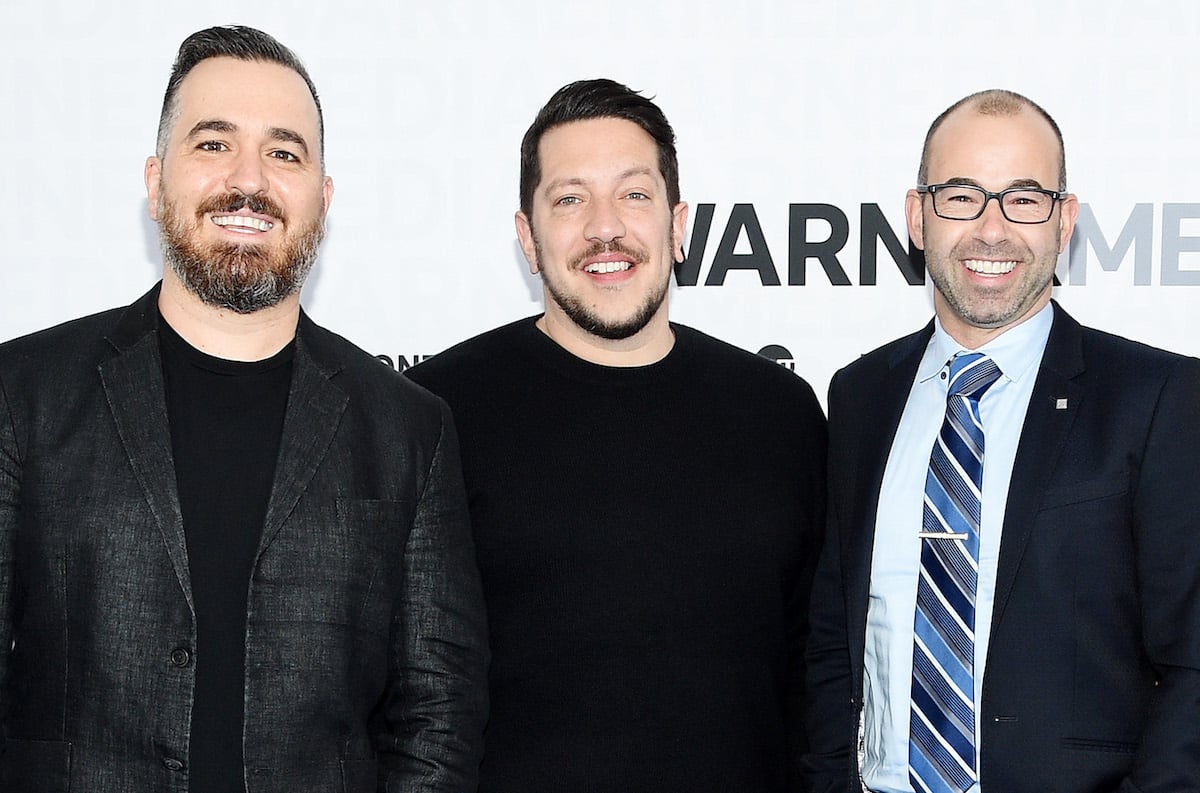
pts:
[284, 135]
[637, 170]
[281, 134]
[1015, 183]
[211, 125]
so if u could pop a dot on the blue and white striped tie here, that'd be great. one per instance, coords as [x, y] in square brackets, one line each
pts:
[941, 749]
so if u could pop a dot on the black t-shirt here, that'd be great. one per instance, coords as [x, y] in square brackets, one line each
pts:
[226, 422]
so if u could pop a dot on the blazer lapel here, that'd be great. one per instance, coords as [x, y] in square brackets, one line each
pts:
[1052, 410]
[133, 384]
[876, 419]
[314, 411]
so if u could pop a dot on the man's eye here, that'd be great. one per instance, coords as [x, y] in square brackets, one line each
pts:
[286, 156]
[638, 195]
[567, 200]
[212, 145]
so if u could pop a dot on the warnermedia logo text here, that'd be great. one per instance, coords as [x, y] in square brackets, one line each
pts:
[775, 352]
[1111, 249]
[402, 362]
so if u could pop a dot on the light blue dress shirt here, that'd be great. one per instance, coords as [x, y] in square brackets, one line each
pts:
[896, 556]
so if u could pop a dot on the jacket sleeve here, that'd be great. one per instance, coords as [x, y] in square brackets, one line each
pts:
[811, 487]
[830, 704]
[10, 509]
[437, 703]
[1166, 526]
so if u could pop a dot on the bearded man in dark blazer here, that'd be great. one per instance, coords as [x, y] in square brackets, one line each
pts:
[1018, 610]
[234, 548]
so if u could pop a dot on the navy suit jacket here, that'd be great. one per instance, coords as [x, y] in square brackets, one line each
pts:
[1092, 680]
[365, 635]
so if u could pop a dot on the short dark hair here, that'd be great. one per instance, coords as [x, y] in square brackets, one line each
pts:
[229, 41]
[995, 102]
[601, 98]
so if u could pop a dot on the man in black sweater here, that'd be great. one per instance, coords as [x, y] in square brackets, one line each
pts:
[644, 497]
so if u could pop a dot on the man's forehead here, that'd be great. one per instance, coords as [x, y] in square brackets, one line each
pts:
[250, 87]
[968, 138]
[611, 145]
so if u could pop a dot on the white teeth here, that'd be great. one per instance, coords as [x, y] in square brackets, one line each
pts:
[607, 267]
[243, 221]
[989, 267]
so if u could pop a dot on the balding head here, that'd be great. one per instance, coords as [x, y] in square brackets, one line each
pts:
[993, 102]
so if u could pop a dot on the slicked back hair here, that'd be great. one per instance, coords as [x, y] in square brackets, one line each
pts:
[601, 98]
[229, 41]
[995, 102]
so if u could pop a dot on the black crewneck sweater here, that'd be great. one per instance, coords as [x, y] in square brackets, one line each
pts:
[645, 537]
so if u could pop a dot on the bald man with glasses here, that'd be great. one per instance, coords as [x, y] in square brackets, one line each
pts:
[1007, 599]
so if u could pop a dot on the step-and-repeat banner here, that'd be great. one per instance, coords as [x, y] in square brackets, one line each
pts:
[799, 125]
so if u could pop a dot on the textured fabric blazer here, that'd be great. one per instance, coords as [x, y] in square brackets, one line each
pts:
[1092, 680]
[365, 639]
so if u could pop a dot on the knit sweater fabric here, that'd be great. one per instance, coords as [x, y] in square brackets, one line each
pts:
[645, 537]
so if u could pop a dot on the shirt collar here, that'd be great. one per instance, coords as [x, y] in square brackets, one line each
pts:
[1016, 351]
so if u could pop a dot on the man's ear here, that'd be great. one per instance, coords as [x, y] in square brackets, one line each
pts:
[528, 244]
[914, 215]
[326, 194]
[1068, 213]
[679, 217]
[153, 177]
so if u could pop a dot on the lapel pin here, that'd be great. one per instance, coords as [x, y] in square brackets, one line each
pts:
[1060, 404]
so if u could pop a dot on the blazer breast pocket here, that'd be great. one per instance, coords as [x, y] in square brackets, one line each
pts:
[374, 530]
[1086, 491]
[388, 517]
[338, 568]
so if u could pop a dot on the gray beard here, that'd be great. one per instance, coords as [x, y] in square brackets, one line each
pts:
[241, 278]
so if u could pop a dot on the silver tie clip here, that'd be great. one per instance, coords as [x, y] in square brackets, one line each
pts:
[942, 535]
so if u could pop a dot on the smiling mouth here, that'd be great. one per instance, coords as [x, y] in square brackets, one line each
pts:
[242, 222]
[987, 267]
[607, 267]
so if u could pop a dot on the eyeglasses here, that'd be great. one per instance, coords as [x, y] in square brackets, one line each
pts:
[1017, 204]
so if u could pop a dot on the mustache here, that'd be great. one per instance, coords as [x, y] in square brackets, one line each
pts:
[636, 255]
[232, 202]
[981, 251]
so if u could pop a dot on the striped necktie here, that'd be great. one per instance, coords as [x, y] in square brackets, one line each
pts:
[941, 749]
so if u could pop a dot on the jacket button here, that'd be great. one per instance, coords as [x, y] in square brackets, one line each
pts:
[171, 764]
[181, 656]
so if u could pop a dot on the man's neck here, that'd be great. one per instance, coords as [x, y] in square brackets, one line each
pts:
[223, 333]
[649, 345]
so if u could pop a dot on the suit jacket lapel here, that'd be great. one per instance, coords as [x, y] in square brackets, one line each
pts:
[314, 410]
[1052, 410]
[133, 384]
[875, 421]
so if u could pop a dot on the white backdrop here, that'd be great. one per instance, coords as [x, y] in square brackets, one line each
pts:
[775, 103]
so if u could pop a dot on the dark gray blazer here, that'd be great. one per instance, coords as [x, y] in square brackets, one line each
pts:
[365, 642]
[1092, 681]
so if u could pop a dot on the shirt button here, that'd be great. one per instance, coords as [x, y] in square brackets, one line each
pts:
[171, 764]
[181, 656]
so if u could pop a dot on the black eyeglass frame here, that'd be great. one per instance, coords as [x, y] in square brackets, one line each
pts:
[1055, 197]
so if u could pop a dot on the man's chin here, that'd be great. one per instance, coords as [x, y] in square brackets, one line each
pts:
[613, 328]
[242, 299]
[242, 284]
